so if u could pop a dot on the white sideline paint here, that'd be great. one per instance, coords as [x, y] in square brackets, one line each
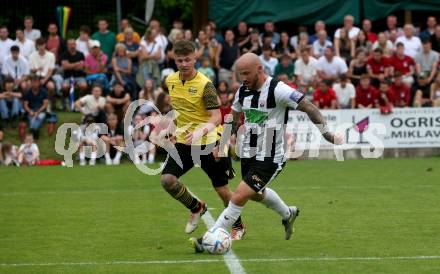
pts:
[231, 260]
[256, 260]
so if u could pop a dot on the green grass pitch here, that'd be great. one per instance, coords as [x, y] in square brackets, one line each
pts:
[360, 216]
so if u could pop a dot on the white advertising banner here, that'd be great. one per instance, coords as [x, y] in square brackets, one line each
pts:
[403, 128]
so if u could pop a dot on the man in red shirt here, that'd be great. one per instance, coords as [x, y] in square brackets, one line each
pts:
[54, 41]
[225, 105]
[403, 63]
[367, 26]
[401, 93]
[324, 97]
[366, 94]
[378, 67]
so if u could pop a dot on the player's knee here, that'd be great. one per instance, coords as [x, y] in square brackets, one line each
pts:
[168, 181]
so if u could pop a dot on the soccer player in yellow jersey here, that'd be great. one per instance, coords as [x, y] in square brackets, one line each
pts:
[195, 99]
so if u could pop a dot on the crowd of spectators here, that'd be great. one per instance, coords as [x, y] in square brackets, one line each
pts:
[100, 73]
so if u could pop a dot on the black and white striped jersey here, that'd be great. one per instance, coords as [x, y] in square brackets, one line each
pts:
[266, 113]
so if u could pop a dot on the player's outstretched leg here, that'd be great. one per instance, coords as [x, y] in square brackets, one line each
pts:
[238, 228]
[288, 214]
[179, 192]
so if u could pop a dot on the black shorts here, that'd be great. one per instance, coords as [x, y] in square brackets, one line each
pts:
[218, 171]
[257, 174]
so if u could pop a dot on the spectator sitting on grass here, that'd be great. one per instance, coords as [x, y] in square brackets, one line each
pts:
[87, 137]
[115, 137]
[28, 153]
[8, 154]
[118, 100]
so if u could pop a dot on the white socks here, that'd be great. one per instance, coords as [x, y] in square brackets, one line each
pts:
[274, 202]
[228, 216]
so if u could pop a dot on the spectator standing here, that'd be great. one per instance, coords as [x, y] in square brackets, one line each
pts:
[42, 64]
[150, 54]
[27, 46]
[431, 22]
[5, 44]
[319, 26]
[83, 44]
[367, 27]
[284, 47]
[435, 39]
[392, 28]
[106, 38]
[269, 28]
[349, 27]
[227, 52]
[29, 32]
[125, 23]
[54, 41]
[384, 44]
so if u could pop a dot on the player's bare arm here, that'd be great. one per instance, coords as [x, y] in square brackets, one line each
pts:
[318, 119]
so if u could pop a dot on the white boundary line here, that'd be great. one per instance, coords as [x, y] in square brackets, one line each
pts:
[256, 260]
[231, 260]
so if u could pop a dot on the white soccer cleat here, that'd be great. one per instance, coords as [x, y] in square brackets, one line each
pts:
[288, 224]
[116, 162]
[108, 161]
[82, 162]
[194, 218]
[238, 233]
[92, 162]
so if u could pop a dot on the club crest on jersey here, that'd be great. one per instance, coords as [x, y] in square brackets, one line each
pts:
[192, 90]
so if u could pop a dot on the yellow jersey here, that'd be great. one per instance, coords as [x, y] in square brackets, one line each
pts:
[192, 99]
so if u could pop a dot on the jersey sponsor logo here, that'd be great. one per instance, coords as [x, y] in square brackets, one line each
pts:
[255, 116]
[192, 90]
[257, 179]
[295, 96]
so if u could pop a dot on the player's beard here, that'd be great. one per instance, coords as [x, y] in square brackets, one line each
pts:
[254, 83]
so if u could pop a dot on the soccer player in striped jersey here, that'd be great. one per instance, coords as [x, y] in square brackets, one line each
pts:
[265, 103]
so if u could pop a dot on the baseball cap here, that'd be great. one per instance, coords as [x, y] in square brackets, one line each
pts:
[94, 43]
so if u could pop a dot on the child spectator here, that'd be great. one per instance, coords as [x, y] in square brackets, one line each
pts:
[139, 136]
[87, 136]
[115, 137]
[28, 153]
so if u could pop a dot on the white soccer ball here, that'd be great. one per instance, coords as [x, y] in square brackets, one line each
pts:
[217, 241]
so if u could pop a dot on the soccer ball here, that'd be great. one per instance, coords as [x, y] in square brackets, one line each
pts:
[217, 241]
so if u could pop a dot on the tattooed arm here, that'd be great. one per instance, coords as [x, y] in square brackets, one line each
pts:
[318, 119]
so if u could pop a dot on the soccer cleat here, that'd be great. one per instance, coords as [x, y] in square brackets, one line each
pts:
[288, 224]
[92, 162]
[196, 244]
[237, 233]
[82, 162]
[194, 218]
